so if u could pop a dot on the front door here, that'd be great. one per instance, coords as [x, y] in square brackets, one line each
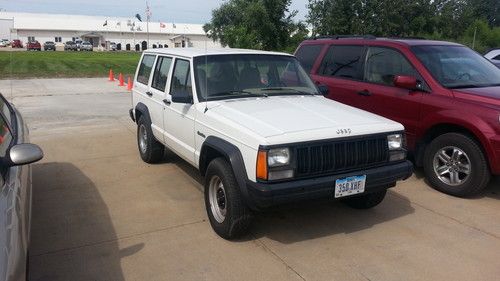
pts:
[179, 117]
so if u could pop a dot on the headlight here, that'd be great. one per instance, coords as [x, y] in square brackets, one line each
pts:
[395, 141]
[278, 157]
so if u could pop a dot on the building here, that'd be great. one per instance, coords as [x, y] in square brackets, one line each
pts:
[127, 33]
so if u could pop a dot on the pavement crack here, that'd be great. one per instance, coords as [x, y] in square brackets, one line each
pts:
[117, 239]
[263, 245]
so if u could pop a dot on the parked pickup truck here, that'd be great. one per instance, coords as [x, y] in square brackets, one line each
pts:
[261, 133]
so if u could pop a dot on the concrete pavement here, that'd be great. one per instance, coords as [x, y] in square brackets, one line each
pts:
[100, 213]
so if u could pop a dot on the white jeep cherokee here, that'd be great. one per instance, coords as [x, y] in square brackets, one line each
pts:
[259, 132]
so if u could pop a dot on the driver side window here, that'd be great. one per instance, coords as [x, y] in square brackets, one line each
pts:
[383, 64]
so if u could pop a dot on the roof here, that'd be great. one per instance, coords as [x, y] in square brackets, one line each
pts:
[404, 41]
[197, 52]
[35, 21]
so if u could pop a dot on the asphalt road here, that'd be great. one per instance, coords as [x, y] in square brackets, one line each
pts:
[100, 213]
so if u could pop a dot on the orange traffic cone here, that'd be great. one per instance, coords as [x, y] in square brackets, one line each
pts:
[111, 76]
[120, 78]
[129, 84]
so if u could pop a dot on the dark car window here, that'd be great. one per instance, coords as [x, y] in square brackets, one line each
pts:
[181, 79]
[496, 58]
[382, 64]
[343, 62]
[5, 137]
[307, 55]
[161, 73]
[145, 69]
[5, 110]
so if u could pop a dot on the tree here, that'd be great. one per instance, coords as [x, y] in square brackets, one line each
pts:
[255, 24]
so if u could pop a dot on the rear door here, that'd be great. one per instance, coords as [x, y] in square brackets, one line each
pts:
[158, 89]
[341, 69]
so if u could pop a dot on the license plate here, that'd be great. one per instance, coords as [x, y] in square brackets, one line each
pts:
[350, 186]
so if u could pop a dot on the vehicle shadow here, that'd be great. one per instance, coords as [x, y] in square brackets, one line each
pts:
[293, 224]
[72, 234]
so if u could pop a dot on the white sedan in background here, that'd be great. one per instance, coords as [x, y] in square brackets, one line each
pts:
[494, 56]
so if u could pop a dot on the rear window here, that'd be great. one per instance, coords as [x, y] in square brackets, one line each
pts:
[145, 69]
[343, 62]
[307, 55]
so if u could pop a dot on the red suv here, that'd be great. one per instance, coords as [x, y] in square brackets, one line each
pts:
[446, 95]
[16, 43]
[33, 46]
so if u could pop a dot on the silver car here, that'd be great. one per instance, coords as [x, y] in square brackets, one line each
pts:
[15, 192]
[86, 46]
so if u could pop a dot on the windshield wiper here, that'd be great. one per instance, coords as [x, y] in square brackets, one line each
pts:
[289, 89]
[468, 86]
[235, 94]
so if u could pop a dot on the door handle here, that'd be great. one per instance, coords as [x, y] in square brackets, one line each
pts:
[149, 94]
[365, 93]
[167, 102]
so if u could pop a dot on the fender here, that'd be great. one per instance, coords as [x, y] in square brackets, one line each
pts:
[233, 155]
[143, 109]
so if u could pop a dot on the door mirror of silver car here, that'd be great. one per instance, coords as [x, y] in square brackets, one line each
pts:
[23, 154]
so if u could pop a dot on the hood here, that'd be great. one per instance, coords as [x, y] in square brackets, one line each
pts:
[490, 95]
[303, 117]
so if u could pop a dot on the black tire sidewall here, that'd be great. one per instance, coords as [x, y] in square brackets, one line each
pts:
[479, 177]
[154, 150]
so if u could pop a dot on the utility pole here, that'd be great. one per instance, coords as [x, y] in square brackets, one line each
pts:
[148, 18]
[474, 40]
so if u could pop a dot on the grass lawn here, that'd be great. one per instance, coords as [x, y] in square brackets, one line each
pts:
[19, 65]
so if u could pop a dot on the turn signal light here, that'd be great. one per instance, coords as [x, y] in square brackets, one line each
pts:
[262, 165]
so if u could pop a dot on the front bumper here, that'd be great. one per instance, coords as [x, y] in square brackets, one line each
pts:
[262, 195]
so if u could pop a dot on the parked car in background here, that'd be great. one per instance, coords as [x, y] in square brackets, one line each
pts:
[86, 46]
[494, 56]
[260, 133]
[445, 94]
[49, 46]
[112, 46]
[16, 192]
[16, 43]
[33, 46]
[78, 43]
[70, 46]
[4, 43]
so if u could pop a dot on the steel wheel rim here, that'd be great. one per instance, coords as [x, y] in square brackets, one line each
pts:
[217, 198]
[143, 138]
[452, 165]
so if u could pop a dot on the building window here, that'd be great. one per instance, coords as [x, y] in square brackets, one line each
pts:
[31, 38]
[58, 39]
[177, 44]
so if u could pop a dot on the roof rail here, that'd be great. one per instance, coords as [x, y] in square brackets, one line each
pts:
[336, 37]
[407, 38]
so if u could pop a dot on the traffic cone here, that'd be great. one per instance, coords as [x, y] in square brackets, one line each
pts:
[129, 84]
[120, 78]
[111, 75]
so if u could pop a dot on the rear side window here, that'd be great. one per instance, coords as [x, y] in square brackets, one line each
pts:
[5, 137]
[145, 69]
[383, 64]
[181, 79]
[307, 55]
[161, 73]
[496, 58]
[343, 62]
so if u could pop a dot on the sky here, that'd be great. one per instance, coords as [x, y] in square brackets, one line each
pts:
[180, 11]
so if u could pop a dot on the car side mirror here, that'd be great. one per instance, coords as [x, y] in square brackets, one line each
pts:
[23, 154]
[406, 82]
[323, 89]
[182, 97]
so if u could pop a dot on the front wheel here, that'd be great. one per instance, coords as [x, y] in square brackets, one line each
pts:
[229, 216]
[150, 149]
[455, 164]
[366, 201]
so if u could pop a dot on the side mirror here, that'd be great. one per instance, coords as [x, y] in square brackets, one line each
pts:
[323, 89]
[23, 154]
[182, 97]
[406, 82]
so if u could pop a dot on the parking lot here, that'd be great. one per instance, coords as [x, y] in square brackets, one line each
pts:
[100, 213]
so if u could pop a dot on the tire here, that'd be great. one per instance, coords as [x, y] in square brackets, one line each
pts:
[367, 201]
[462, 151]
[150, 149]
[233, 218]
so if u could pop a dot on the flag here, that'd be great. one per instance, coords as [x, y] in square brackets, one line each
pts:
[105, 23]
[148, 12]
[162, 25]
[138, 17]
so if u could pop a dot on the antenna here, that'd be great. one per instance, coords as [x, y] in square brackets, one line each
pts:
[206, 77]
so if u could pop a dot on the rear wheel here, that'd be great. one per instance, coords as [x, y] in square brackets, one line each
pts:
[229, 216]
[150, 149]
[367, 201]
[455, 164]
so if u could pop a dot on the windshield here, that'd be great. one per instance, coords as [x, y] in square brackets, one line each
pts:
[458, 67]
[234, 76]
